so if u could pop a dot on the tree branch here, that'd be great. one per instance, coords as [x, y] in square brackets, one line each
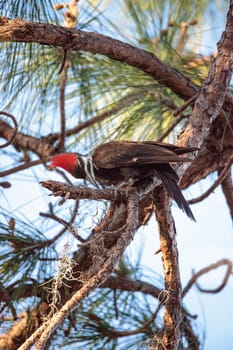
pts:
[227, 188]
[11, 139]
[19, 30]
[22, 167]
[222, 175]
[214, 90]
[63, 81]
[25, 142]
[77, 192]
[172, 313]
[205, 270]
[116, 107]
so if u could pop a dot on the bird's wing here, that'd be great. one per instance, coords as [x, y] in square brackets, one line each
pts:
[117, 154]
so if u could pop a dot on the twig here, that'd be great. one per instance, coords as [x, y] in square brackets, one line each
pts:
[115, 304]
[5, 184]
[224, 173]
[8, 300]
[67, 225]
[63, 82]
[63, 61]
[22, 167]
[113, 333]
[185, 105]
[227, 188]
[172, 126]
[121, 104]
[205, 270]
[15, 128]
[191, 338]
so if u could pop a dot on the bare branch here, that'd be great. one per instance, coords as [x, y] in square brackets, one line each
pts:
[119, 105]
[185, 105]
[18, 30]
[219, 180]
[25, 142]
[5, 184]
[205, 270]
[172, 126]
[214, 89]
[67, 225]
[114, 333]
[63, 81]
[64, 59]
[172, 314]
[75, 192]
[22, 167]
[227, 188]
[113, 282]
[7, 298]
[15, 129]
[119, 283]
[191, 338]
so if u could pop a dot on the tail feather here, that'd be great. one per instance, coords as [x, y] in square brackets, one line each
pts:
[169, 180]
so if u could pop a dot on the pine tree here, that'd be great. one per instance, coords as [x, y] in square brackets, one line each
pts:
[75, 75]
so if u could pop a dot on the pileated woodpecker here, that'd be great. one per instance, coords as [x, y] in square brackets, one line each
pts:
[124, 163]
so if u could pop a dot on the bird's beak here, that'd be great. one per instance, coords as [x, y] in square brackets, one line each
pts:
[51, 165]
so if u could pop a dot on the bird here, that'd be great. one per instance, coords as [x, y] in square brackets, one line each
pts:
[129, 163]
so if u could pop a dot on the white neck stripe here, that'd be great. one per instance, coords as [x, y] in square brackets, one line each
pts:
[89, 169]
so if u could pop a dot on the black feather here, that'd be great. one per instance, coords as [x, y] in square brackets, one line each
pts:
[169, 180]
[118, 154]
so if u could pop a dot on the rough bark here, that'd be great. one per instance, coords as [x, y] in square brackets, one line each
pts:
[200, 131]
[19, 30]
[171, 335]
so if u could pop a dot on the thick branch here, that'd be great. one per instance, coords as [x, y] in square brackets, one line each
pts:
[68, 191]
[19, 30]
[214, 89]
[25, 142]
[172, 292]
[215, 151]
